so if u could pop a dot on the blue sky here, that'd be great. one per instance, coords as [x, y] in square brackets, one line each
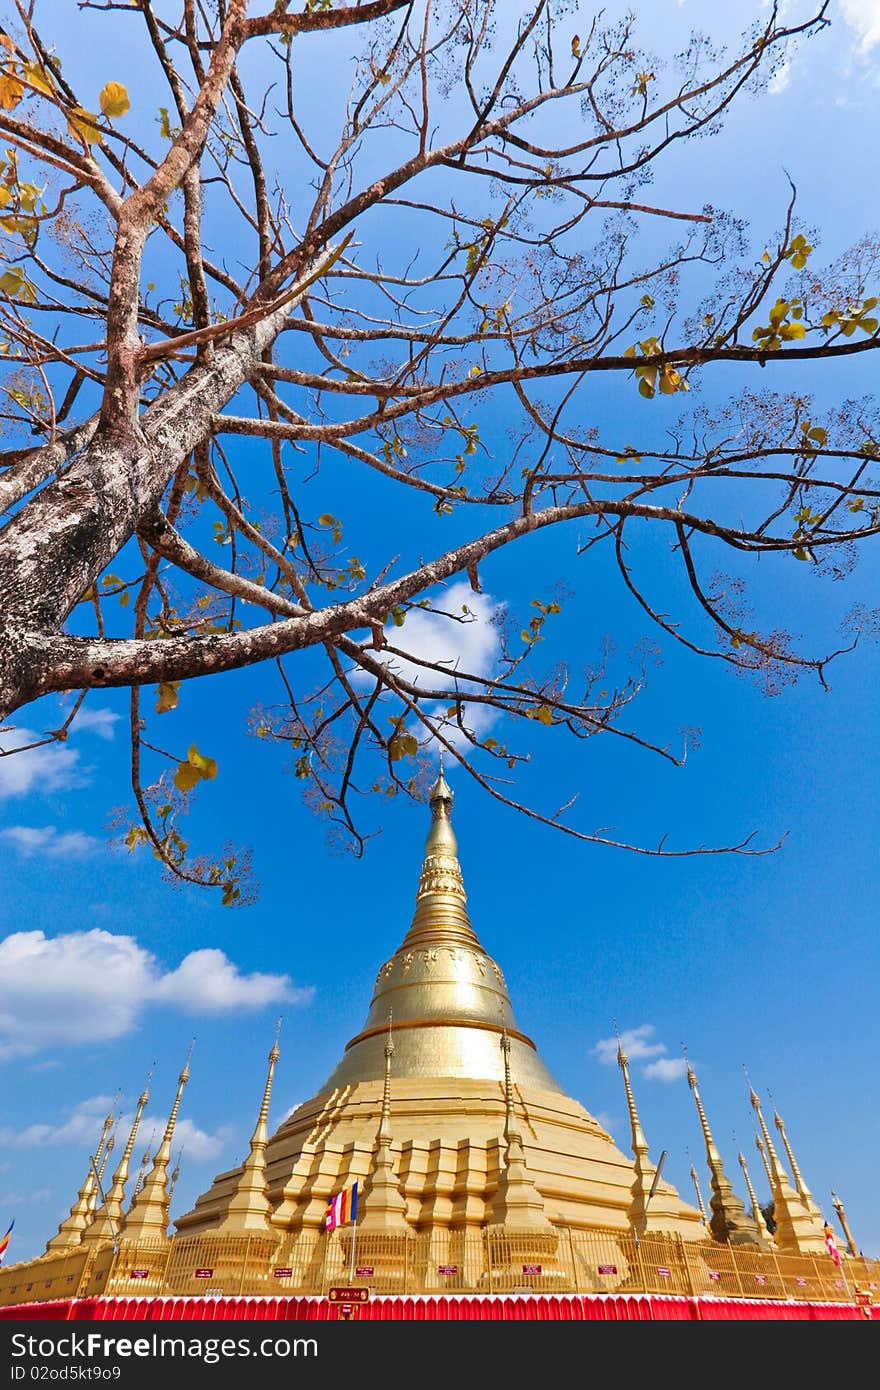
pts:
[770, 962]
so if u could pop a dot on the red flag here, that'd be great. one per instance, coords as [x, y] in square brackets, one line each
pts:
[832, 1248]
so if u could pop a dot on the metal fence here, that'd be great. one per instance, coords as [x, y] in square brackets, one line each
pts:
[474, 1262]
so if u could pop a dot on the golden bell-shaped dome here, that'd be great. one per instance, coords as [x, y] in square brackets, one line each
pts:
[448, 998]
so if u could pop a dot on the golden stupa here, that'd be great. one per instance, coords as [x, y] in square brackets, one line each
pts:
[467, 1087]
[476, 1172]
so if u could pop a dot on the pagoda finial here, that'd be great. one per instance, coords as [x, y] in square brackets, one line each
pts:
[108, 1219]
[803, 1191]
[510, 1130]
[70, 1232]
[759, 1143]
[274, 1055]
[440, 898]
[730, 1221]
[517, 1201]
[798, 1227]
[645, 1173]
[779, 1175]
[172, 1182]
[385, 1120]
[844, 1224]
[247, 1209]
[696, 1182]
[145, 1163]
[639, 1142]
[384, 1204]
[148, 1215]
[760, 1220]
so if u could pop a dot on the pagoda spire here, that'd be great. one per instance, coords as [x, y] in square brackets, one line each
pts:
[696, 1182]
[247, 1210]
[440, 982]
[145, 1163]
[643, 1168]
[441, 912]
[517, 1202]
[147, 1218]
[108, 1219]
[760, 1220]
[759, 1143]
[729, 1221]
[844, 1224]
[796, 1228]
[803, 1191]
[70, 1232]
[175, 1174]
[384, 1205]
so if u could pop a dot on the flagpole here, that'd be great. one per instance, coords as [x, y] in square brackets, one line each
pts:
[353, 1242]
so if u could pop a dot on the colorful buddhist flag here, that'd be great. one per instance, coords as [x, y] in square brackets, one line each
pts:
[5, 1241]
[342, 1208]
[830, 1243]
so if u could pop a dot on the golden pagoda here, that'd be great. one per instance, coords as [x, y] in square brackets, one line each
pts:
[477, 1174]
[468, 1131]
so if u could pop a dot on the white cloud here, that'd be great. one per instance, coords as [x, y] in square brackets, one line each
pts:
[29, 840]
[17, 1199]
[468, 642]
[196, 1144]
[638, 1045]
[52, 767]
[82, 1129]
[608, 1122]
[97, 721]
[92, 986]
[863, 16]
[82, 1126]
[665, 1069]
[207, 982]
[635, 1043]
[780, 80]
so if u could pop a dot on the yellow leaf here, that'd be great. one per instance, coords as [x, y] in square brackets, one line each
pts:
[543, 715]
[166, 696]
[11, 91]
[186, 777]
[82, 124]
[38, 77]
[206, 767]
[114, 100]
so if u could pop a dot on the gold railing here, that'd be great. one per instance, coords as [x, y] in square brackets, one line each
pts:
[479, 1262]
